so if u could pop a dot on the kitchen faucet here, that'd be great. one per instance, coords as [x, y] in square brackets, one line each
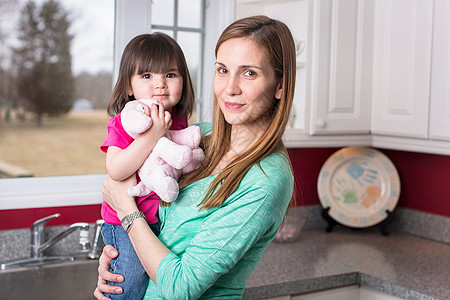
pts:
[37, 236]
[38, 245]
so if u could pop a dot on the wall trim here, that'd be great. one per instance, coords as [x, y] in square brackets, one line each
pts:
[38, 192]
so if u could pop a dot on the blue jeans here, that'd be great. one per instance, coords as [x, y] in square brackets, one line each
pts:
[127, 263]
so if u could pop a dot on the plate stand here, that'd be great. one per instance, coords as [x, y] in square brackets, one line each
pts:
[332, 223]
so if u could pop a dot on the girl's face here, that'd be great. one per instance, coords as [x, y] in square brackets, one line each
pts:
[245, 84]
[162, 87]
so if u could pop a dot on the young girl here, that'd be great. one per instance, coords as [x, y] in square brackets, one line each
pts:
[152, 67]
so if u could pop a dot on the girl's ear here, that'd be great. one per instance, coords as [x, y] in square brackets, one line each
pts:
[279, 91]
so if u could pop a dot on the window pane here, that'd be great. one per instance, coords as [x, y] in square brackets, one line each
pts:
[168, 32]
[57, 78]
[190, 13]
[191, 44]
[162, 12]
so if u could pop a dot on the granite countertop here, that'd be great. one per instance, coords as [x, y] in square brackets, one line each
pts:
[399, 264]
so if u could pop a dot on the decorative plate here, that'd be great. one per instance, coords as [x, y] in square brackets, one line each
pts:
[358, 184]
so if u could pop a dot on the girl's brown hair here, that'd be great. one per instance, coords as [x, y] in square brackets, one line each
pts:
[275, 38]
[155, 53]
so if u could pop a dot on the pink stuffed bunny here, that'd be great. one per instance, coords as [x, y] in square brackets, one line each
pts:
[176, 153]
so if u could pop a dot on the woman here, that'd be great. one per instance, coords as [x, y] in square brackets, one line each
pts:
[228, 211]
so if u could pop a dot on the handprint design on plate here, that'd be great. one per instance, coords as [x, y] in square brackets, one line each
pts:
[359, 172]
[346, 192]
[371, 196]
[358, 184]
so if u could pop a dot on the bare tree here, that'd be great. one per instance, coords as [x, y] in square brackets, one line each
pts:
[6, 84]
[45, 82]
[94, 87]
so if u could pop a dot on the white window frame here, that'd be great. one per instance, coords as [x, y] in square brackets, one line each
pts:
[133, 17]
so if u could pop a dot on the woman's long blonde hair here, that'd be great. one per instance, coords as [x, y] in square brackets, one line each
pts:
[275, 38]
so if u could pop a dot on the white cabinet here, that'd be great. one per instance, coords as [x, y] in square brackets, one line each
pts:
[352, 292]
[343, 293]
[402, 67]
[411, 76]
[440, 73]
[373, 73]
[340, 65]
[295, 14]
[332, 96]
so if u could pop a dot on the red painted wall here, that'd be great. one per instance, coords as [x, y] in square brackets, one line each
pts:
[307, 163]
[24, 218]
[425, 178]
[425, 186]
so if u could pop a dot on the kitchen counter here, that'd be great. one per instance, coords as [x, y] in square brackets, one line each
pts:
[400, 264]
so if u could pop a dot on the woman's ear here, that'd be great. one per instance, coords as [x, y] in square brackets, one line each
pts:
[279, 91]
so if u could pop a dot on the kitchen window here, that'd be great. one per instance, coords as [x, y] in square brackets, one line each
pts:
[184, 21]
[56, 67]
[110, 25]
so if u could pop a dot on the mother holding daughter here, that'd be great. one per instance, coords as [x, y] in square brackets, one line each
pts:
[229, 210]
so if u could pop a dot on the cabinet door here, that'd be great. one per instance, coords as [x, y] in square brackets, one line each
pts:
[340, 66]
[440, 72]
[402, 67]
[342, 293]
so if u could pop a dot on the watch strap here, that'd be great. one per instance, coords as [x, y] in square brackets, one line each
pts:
[128, 220]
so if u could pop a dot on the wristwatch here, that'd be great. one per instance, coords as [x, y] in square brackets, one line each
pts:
[128, 220]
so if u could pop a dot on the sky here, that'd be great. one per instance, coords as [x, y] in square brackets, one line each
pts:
[93, 30]
[92, 27]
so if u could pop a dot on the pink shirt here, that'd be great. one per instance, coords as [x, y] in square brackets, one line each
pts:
[118, 137]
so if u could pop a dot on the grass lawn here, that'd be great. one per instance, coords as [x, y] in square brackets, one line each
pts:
[66, 145]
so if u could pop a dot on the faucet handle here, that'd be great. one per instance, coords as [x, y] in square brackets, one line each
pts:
[85, 244]
[94, 254]
[41, 222]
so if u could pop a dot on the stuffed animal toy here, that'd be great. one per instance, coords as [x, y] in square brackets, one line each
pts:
[176, 153]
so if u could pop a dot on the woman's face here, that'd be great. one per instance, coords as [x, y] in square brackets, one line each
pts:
[245, 84]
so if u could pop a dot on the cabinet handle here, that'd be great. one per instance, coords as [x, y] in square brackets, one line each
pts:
[321, 123]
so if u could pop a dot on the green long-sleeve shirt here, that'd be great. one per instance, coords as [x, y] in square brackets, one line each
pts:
[214, 251]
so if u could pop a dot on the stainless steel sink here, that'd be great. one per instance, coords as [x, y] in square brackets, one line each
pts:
[50, 280]
[35, 262]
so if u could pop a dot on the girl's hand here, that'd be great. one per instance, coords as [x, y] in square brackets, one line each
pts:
[104, 263]
[162, 119]
[115, 193]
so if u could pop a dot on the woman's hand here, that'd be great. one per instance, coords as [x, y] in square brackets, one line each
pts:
[115, 193]
[104, 263]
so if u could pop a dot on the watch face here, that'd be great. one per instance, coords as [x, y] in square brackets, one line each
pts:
[126, 222]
